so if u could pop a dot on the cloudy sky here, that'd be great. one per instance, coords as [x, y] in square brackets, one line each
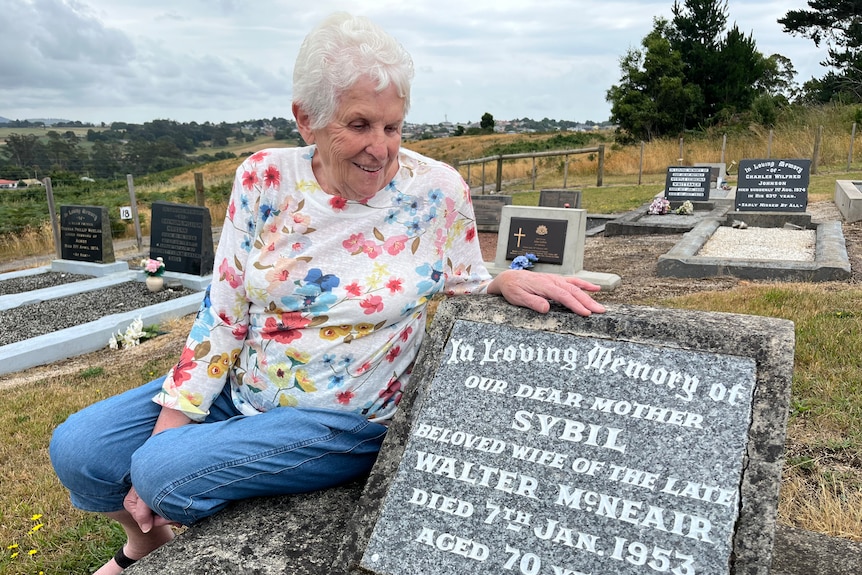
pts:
[230, 60]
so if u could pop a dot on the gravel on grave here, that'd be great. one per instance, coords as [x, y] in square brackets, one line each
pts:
[27, 321]
[761, 244]
[38, 281]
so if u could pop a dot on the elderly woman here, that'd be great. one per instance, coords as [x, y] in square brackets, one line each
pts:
[304, 342]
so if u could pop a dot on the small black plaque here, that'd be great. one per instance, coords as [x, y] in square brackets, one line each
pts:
[85, 234]
[772, 186]
[687, 183]
[560, 198]
[182, 236]
[544, 238]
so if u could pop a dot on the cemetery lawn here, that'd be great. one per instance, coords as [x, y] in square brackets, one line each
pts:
[822, 484]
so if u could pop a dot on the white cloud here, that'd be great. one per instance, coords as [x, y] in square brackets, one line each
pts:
[126, 60]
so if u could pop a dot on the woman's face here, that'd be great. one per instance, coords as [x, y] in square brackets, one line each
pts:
[357, 153]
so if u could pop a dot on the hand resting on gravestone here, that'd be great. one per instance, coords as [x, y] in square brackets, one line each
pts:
[533, 290]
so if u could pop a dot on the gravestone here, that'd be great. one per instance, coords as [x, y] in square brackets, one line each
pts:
[564, 198]
[182, 236]
[487, 210]
[772, 186]
[556, 236]
[687, 183]
[85, 234]
[638, 441]
[717, 172]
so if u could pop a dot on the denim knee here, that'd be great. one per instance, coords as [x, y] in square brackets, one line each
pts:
[94, 480]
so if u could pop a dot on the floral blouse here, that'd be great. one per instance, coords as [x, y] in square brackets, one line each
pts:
[317, 301]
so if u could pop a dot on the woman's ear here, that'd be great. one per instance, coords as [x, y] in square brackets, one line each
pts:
[303, 123]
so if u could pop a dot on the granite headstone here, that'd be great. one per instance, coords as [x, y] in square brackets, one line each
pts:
[556, 236]
[772, 186]
[562, 198]
[634, 442]
[488, 210]
[687, 183]
[182, 236]
[85, 234]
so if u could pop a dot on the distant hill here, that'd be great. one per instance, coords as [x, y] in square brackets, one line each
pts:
[46, 121]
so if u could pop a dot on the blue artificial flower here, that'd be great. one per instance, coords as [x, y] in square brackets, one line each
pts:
[524, 262]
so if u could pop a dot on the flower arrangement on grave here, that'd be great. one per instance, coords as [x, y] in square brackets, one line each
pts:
[134, 334]
[659, 206]
[686, 209]
[153, 267]
[524, 262]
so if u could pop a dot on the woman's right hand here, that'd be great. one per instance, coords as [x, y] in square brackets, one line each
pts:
[143, 515]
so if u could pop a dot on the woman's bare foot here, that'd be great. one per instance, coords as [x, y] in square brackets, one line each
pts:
[138, 546]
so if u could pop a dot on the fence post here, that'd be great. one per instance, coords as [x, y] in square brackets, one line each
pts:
[769, 146]
[850, 153]
[565, 170]
[200, 196]
[134, 205]
[52, 212]
[641, 165]
[723, 147]
[681, 155]
[534, 173]
[601, 168]
[816, 158]
[499, 174]
[483, 178]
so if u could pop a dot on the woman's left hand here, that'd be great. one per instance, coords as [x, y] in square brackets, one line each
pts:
[533, 290]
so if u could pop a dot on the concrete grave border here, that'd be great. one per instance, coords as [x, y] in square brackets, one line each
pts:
[831, 261]
[768, 341]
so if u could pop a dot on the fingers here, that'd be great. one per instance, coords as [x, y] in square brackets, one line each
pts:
[139, 511]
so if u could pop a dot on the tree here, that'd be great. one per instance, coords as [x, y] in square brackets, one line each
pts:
[653, 97]
[690, 73]
[838, 25]
[24, 149]
[487, 122]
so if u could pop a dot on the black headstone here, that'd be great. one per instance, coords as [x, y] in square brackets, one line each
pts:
[182, 236]
[772, 186]
[488, 210]
[85, 234]
[687, 183]
[563, 198]
[544, 238]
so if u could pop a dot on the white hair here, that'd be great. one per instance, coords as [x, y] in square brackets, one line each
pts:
[336, 54]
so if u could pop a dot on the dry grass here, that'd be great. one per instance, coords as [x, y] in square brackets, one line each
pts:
[822, 482]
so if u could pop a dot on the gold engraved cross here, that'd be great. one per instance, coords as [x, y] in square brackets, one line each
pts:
[520, 235]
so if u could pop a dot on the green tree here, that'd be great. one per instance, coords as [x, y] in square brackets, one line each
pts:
[24, 150]
[653, 98]
[837, 24]
[487, 122]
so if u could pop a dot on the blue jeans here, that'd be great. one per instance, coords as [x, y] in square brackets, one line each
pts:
[191, 472]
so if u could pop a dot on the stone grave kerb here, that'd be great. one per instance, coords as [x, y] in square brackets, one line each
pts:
[767, 342]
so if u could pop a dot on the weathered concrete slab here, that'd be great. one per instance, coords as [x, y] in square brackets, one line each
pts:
[848, 198]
